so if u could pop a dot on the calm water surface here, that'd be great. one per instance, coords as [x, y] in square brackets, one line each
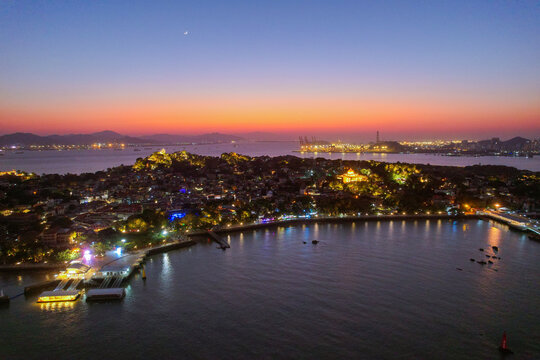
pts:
[78, 161]
[369, 290]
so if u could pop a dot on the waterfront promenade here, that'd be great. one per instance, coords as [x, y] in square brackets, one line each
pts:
[516, 222]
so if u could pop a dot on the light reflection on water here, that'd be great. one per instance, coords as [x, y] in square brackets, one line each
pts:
[494, 236]
[166, 267]
[57, 306]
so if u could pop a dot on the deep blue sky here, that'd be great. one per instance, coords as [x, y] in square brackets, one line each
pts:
[275, 65]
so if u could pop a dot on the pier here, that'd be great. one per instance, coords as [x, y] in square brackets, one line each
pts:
[218, 239]
[102, 276]
[515, 221]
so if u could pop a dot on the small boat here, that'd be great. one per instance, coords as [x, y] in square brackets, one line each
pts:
[495, 248]
[136, 149]
[504, 346]
[4, 299]
[315, 242]
[471, 259]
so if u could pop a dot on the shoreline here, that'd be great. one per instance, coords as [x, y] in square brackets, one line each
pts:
[255, 226]
[530, 156]
[333, 219]
[191, 238]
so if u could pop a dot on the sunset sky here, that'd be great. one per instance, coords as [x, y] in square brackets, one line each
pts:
[411, 69]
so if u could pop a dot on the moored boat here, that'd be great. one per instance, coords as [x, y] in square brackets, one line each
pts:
[4, 299]
[59, 295]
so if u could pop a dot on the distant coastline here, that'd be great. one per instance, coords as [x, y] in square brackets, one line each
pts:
[86, 160]
[438, 153]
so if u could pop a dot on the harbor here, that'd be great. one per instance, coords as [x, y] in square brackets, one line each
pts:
[95, 278]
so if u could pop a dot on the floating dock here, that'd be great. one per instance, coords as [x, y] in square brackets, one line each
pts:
[105, 294]
[59, 295]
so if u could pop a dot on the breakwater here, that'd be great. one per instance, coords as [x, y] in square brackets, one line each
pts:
[32, 267]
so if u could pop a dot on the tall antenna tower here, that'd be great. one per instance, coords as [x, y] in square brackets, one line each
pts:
[378, 138]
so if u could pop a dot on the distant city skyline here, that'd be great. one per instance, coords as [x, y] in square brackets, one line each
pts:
[412, 70]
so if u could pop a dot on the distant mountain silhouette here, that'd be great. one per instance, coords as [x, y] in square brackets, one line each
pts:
[517, 142]
[72, 139]
[23, 138]
[26, 139]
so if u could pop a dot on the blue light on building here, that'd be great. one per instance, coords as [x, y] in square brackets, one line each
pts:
[176, 215]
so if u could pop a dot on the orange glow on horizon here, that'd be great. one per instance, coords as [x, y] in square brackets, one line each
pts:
[234, 114]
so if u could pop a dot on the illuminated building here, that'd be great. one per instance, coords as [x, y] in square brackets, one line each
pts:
[351, 176]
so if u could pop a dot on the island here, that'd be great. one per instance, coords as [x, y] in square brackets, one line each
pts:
[49, 220]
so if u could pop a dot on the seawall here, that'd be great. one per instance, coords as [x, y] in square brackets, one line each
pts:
[169, 247]
[31, 267]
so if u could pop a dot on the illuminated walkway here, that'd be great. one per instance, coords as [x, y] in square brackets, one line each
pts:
[517, 221]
